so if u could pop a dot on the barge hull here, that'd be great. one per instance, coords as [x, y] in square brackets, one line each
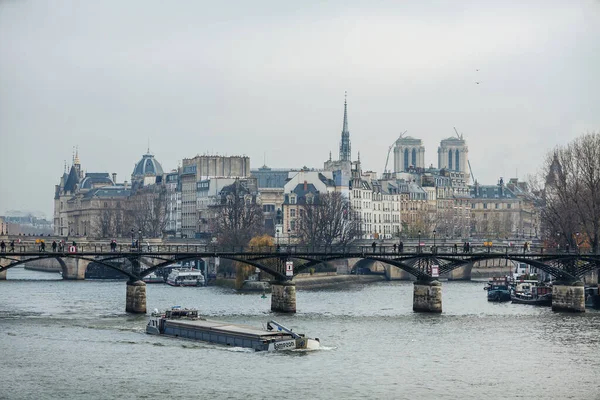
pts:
[226, 334]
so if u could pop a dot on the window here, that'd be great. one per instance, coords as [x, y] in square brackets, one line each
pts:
[497, 205]
[269, 207]
[484, 206]
[292, 199]
[508, 205]
[292, 212]
[292, 225]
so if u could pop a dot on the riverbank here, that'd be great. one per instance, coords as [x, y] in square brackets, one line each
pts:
[318, 281]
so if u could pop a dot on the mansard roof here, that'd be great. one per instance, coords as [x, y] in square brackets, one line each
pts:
[108, 192]
[95, 178]
[478, 191]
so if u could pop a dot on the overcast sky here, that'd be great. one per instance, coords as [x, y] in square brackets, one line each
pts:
[266, 79]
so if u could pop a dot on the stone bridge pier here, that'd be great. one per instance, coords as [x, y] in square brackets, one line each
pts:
[427, 296]
[135, 298]
[73, 268]
[4, 263]
[568, 296]
[283, 296]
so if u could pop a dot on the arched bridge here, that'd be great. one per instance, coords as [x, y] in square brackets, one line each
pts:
[424, 263]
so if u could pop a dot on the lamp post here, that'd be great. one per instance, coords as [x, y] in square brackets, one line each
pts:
[140, 240]
[277, 236]
[132, 239]
[434, 232]
[419, 241]
[289, 233]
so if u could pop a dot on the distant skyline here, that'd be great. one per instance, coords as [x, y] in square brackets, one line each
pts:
[267, 79]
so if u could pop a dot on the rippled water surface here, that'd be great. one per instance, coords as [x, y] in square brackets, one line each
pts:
[69, 339]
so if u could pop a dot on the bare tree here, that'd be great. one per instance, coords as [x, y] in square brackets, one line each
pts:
[571, 192]
[237, 217]
[147, 210]
[328, 219]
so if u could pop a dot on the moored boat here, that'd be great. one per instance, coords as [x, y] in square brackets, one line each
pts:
[592, 297]
[153, 277]
[532, 293]
[186, 277]
[186, 323]
[498, 289]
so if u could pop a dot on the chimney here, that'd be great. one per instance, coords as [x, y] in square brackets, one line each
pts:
[114, 176]
[305, 186]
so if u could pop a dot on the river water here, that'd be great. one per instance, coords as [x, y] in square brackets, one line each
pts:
[72, 339]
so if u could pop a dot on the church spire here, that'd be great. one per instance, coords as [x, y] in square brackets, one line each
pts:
[345, 154]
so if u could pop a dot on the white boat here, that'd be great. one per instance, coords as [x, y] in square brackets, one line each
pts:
[186, 323]
[152, 277]
[186, 277]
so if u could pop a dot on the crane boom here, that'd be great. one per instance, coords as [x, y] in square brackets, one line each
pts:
[468, 161]
[390, 150]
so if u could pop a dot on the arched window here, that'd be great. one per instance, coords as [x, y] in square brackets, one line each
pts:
[414, 157]
[406, 159]
[457, 160]
[450, 159]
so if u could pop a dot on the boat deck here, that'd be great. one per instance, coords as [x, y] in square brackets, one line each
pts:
[229, 328]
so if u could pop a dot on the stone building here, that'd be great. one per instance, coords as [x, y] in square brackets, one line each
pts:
[201, 168]
[271, 184]
[93, 204]
[495, 211]
[453, 155]
[409, 153]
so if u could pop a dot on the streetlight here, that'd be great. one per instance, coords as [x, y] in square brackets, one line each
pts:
[140, 240]
[434, 232]
[419, 241]
[132, 239]
[289, 234]
[277, 236]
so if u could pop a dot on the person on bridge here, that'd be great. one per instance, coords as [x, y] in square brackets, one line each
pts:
[54, 246]
[455, 248]
[2, 246]
[12, 246]
[401, 247]
[394, 247]
[42, 246]
[374, 245]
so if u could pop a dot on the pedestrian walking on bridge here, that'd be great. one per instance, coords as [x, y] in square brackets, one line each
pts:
[2, 246]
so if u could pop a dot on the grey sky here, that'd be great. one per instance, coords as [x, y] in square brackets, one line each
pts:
[267, 78]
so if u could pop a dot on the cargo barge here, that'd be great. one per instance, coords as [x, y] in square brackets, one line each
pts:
[186, 323]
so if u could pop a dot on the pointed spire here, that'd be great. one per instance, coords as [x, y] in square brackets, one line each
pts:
[345, 127]
[330, 155]
[76, 159]
[345, 153]
[148, 152]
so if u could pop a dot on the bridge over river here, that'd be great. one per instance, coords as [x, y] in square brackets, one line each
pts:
[425, 264]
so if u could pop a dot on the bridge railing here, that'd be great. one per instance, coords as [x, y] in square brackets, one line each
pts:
[384, 250]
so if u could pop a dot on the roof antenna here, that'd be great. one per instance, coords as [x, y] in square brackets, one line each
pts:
[148, 145]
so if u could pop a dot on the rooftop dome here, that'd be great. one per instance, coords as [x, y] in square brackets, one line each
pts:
[147, 166]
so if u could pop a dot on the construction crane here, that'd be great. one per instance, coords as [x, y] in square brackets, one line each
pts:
[390, 150]
[469, 162]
